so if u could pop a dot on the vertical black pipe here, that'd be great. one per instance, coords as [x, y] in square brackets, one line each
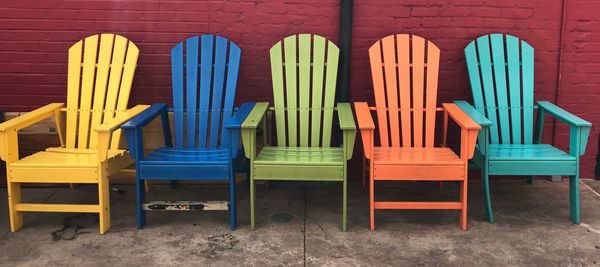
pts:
[598, 160]
[345, 38]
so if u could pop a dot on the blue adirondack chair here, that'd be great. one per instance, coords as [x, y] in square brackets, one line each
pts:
[211, 71]
[508, 143]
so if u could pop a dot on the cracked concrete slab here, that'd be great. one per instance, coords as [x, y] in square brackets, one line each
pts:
[300, 224]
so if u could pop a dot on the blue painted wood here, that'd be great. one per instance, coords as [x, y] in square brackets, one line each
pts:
[177, 77]
[517, 154]
[191, 59]
[202, 157]
[206, 67]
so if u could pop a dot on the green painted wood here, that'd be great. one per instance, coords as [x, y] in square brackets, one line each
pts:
[317, 89]
[315, 156]
[348, 125]
[514, 85]
[277, 78]
[291, 90]
[304, 82]
[499, 63]
[527, 73]
[298, 173]
[333, 53]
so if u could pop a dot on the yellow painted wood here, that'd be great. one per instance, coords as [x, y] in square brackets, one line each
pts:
[106, 44]
[90, 51]
[73, 83]
[128, 72]
[54, 175]
[31, 207]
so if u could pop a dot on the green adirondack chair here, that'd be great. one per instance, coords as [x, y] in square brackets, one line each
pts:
[304, 107]
[501, 76]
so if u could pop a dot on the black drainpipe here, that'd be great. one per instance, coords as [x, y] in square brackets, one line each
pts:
[598, 160]
[345, 38]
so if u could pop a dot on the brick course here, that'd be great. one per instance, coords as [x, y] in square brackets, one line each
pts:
[35, 36]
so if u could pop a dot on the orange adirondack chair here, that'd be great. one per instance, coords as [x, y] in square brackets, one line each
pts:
[406, 124]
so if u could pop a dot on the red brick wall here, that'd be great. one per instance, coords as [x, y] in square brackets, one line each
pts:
[35, 36]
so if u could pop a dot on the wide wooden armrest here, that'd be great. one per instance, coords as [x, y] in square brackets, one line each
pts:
[30, 118]
[460, 117]
[473, 113]
[240, 115]
[562, 114]
[145, 117]
[258, 112]
[345, 116]
[122, 118]
[363, 116]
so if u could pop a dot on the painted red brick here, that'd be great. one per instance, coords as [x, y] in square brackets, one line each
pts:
[35, 35]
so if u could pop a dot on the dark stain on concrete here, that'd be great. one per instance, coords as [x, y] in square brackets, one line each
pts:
[283, 218]
[72, 226]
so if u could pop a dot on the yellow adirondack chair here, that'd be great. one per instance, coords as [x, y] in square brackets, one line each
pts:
[101, 69]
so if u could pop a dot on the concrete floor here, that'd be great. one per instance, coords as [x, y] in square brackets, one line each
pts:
[532, 228]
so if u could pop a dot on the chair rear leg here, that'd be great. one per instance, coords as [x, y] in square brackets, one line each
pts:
[530, 179]
[574, 198]
[232, 201]
[104, 199]
[345, 203]
[14, 198]
[486, 191]
[140, 198]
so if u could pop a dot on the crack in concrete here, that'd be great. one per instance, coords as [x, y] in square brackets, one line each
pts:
[590, 188]
[320, 227]
[590, 228]
[50, 196]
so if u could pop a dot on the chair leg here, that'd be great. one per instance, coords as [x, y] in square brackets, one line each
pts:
[232, 200]
[14, 198]
[463, 200]
[372, 197]
[574, 198]
[345, 203]
[486, 191]
[104, 199]
[252, 204]
[140, 198]
[530, 179]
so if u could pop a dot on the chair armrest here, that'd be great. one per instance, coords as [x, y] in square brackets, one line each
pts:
[473, 113]
[562, 114]
[460, 117]
[469, 129]
[240, 116]
[105, 130]
[256, 115]
[580, 129]
[363, 116]
[249, 127]
[348, 127]
[30, 118]
[145, 117]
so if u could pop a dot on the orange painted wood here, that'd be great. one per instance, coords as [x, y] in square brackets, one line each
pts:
[391, 86]
[378, 88]
[392, 172]
[405, 72]
[388, 205]
[403, 50]
[418, 74]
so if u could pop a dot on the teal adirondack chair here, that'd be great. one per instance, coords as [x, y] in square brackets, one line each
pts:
[501, 76]
[304, 108]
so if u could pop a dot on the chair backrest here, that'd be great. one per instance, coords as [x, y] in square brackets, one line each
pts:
[101, 69]
[304, 71]
[501, 76]
[404, 69]
[205, 100]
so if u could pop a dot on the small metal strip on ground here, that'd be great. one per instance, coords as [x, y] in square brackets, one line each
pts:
[590, 188]
[186, 205]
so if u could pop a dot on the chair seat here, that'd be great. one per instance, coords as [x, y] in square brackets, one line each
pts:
[525, 152]
[270, 155]
[64, 158]
[170, 156]
[415, 156]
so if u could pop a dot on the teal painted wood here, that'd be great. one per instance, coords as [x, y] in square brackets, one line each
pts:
[208, 155]
[501, 73]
